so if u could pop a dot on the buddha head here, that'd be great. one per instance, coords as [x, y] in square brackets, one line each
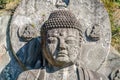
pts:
[61, 38]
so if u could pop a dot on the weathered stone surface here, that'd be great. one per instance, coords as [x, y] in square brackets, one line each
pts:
[94, 33]
[4, 56]
[61, 46]
[115, 75]
[96, 43]
[89, 13]
[27, 32]
[111, 64]
[9, 67]
[32, 60]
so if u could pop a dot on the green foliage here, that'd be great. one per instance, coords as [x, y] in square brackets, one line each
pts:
[4, 2]
[117, 1]
[116, 37]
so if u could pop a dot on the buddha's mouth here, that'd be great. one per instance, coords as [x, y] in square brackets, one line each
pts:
[62, 53]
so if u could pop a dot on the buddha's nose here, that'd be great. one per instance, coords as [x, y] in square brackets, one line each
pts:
[62, 45]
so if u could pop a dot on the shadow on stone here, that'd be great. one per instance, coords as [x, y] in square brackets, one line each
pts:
[30, 55]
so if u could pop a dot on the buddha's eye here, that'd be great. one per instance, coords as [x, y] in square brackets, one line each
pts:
[52, 40]
[70, 42]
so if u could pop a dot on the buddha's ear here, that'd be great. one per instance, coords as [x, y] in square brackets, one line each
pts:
[78, 59]
[80, 40]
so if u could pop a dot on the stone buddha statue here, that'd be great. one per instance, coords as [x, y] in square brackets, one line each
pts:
[61, 43]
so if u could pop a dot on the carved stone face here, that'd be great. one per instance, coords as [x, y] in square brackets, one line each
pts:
[63, 44]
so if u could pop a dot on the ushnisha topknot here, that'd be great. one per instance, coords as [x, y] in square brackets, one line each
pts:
[61, 19]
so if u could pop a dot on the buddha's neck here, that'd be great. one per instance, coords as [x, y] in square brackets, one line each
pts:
[53, 68]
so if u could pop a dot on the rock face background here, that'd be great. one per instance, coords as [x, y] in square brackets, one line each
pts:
[4, 56]
[23, 27]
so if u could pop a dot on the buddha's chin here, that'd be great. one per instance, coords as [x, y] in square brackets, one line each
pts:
[63, 60]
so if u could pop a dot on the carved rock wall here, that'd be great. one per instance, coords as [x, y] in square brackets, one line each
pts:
[90, 13]
[25, 38]
[111, 65]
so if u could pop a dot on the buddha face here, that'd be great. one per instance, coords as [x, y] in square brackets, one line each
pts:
[62, 44]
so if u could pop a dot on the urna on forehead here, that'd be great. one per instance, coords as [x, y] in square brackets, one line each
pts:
[61, 19]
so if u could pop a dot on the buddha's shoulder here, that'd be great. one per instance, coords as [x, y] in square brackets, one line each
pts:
[30, 74]
[90, 75]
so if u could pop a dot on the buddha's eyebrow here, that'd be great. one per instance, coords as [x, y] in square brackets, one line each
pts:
[52, 35]
[69, 36]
